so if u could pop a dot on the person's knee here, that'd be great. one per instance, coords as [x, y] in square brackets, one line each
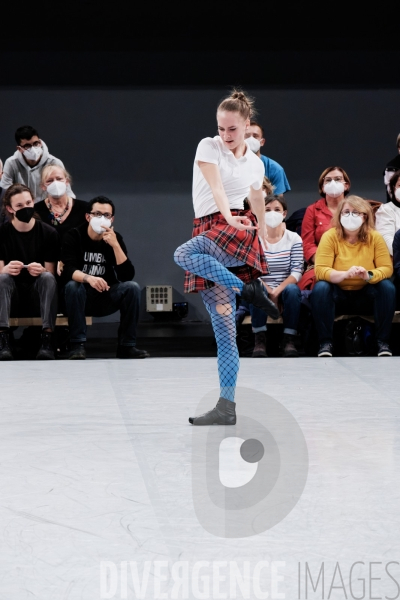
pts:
[223, 309]
[5, 279]
[292, 291]
[73, 288]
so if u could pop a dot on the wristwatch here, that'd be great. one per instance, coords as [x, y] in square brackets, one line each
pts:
[370, 275]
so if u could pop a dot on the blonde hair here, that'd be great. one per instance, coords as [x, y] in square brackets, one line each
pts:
[267, 186]
[239, 102]
[50, 168]
[362, 206]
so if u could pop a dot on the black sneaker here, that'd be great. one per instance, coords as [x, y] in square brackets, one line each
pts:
[325, 349]
[383, 349]
[131, 352]
[77, 352]
[5, 350]
[46, 351]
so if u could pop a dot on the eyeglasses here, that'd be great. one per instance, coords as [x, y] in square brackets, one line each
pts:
[329, 179]
[35, 145]
[355, 213]
[99, 215]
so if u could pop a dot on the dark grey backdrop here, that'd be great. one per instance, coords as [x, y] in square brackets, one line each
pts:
[137, 147]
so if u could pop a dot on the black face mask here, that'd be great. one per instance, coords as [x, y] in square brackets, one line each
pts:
[25, 214]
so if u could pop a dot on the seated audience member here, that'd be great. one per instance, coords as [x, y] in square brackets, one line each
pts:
[60, 210]
[396, 266]
[28, 161]
[387, 217]
[391, 167]
[99, 275]
[273, 170]
[284, 257]
[353, 267]
[29, 250]
[333, 185]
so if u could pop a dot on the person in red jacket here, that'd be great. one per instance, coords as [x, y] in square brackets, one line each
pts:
[334, 185]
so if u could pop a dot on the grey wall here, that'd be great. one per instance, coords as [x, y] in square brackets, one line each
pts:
[137, 146]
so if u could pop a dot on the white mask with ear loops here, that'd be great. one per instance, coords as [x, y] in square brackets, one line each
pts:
[96, 224]
[334, 189]
[397, 194]
[254, 144]
[33, 153]
[351, 223]
[273, 218]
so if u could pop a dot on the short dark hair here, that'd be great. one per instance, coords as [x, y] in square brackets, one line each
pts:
[393, 181]
[26, 132]
[254, 123]
[101, 200]
[14, 190]
[272, 197]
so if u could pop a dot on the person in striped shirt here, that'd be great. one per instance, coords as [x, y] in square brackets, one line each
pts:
[284, 256]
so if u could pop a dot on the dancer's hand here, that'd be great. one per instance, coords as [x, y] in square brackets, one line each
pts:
[241, 223]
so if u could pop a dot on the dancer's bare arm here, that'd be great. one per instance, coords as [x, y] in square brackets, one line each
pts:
[257, 204]
[212, 175]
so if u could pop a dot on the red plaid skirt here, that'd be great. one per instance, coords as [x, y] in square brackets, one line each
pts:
[243, 245]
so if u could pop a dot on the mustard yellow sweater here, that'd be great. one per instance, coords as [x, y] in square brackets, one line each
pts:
[340, 255]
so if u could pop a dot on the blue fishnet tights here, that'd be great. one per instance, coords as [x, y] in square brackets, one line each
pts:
[203, 257]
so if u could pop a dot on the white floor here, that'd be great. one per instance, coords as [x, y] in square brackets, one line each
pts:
[96, 481]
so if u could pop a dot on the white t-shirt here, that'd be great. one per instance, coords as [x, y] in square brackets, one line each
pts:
[237, 175]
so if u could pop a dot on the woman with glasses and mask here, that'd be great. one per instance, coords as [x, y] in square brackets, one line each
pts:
[352, 268]
[333, 185]
[60, 209]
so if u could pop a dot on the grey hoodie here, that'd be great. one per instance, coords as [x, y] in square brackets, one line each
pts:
[16, 170]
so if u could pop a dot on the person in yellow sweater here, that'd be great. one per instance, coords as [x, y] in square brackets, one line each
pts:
[353, 269]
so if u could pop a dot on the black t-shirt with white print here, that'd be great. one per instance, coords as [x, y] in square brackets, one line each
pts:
[81, 253]
[41, 244]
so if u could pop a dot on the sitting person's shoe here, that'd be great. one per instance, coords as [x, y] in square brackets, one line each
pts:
[256, 293]
[325, 349]
[46, 350]
[223, 414]
[289, 348]
[5, 348]
[260, 345]
[77, 351]
[383, 349]
[131, 352]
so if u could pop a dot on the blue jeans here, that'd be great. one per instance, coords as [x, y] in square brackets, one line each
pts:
[291, 300]
[378, 299]
[81, 299]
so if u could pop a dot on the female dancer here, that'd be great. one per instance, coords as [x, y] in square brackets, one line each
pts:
[225, 257]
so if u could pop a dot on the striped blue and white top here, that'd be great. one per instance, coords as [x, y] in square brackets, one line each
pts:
[284, 258]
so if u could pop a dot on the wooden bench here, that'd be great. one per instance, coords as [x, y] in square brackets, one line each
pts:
[37, 321]
[396, 319]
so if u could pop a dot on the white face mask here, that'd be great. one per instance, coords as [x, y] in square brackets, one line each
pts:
[273, 218]
[388, 176]
[33, 153]
[264, 194]
[397, 194]
[97, 223]
[351, 223]
[254, 144]
[334, 189]
[56, 189]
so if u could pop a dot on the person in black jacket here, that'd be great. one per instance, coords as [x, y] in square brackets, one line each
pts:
[99, 280]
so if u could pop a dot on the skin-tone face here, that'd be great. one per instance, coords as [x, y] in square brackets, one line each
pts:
[349, 208]
[337, 175]
[26, 144]
[276, 206]
[23, 200]
[256, 132]
[104, 209]
[232, 130]
[55, 174]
